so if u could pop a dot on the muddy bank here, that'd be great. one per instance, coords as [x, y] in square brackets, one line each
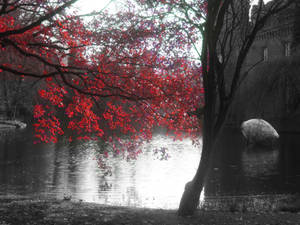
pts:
[28, 211]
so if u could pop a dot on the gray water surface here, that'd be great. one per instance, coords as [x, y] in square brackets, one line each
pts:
[64, 169]
[72, 170]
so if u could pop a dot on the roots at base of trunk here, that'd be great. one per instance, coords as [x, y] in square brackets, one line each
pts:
[189, 200]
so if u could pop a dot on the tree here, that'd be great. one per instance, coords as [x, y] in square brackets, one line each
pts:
[135, 73]
[16, 95]
[223, 27]
[99, 78]
[227, 34]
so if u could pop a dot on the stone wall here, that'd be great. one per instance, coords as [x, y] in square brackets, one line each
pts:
[272, 85]
[278, 38]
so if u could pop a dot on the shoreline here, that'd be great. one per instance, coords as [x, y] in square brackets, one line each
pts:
[12, 124]
[14, 211]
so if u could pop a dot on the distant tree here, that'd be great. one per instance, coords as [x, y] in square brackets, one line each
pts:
[17, 92]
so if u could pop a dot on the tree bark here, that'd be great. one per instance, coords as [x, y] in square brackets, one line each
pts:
[6, 98]
[191, 195]
[216, 107]
[190, 198]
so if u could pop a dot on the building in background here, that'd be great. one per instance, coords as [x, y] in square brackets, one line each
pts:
[271, 84]
[279, 38]
[270, 89]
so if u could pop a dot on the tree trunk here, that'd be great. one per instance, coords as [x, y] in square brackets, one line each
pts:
[6, 98]
[191, 195]
[190, 198]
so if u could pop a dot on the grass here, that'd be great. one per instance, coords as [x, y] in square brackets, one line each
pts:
[47, 211]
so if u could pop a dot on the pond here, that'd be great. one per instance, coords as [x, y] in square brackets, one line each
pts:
[241, 170]
[65, 170]
[71, 170]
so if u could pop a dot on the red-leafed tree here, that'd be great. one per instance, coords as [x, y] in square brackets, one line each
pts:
[116, 74]
[130, 72]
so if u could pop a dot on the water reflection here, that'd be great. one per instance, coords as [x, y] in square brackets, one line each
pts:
[240, 170]
[260, 163]
[63, 169]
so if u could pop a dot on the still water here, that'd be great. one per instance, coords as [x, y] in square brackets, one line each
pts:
[64, 169]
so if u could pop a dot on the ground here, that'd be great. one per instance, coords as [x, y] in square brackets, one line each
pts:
[46, 212]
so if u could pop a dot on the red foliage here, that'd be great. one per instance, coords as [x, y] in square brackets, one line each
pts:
[116, 75]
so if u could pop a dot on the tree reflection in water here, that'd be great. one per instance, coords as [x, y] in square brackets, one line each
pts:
[64, 169]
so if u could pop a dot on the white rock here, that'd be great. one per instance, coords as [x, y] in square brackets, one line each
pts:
[259, 131]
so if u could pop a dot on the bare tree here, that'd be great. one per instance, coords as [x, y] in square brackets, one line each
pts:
[227, 38]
